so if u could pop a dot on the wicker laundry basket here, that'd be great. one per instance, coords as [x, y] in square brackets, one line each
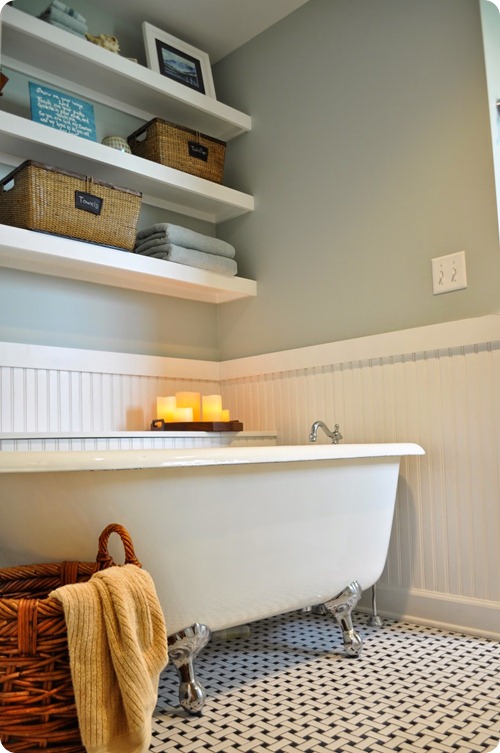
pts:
[44, 198]
[180, 148]
[37, 703]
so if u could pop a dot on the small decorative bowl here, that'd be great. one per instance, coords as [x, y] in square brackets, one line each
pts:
[117, 142]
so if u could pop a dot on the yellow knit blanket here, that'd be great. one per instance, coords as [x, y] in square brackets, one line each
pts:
[117, 646]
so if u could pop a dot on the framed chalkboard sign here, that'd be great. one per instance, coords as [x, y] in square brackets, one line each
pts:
[62, 111]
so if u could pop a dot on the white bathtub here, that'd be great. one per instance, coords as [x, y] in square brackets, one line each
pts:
[229, 534]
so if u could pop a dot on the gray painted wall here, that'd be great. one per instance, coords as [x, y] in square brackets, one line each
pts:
[370, 153]
[66, 313]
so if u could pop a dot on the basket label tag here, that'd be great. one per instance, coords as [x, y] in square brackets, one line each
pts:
[88, 202]
[198, 150]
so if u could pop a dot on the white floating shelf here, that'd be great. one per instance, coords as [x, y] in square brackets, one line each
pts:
[61, 257]
[161, 186]
[111, 78]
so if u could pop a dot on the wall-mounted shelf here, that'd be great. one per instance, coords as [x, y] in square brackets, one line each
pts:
[161, 186]
[61, 257]
[35, 47]
[47, 53]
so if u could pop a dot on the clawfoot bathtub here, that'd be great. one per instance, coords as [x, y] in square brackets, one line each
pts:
[229, 535]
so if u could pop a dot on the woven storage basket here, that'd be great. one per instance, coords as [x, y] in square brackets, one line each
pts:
[39, 197]
[37, 703]
[180, 148]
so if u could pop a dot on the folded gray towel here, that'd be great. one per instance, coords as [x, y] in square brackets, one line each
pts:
[66, 28]
[56, 16]
[182, 236]
[67, 10]
[193, 258]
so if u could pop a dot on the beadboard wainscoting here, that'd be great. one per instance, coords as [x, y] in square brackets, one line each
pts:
[438, 386]
[48, 389]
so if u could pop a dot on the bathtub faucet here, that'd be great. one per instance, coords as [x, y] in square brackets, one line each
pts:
[334, 435]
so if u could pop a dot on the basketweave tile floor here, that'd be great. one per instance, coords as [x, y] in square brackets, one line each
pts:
[288, 687]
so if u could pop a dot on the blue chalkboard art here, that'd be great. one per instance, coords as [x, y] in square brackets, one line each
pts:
[62, 111]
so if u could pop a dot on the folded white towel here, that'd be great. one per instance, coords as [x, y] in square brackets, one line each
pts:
[193, 258]
[165, 232]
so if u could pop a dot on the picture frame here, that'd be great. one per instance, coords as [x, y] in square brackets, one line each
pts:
[178, 60]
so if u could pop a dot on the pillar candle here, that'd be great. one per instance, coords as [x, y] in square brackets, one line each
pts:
[224, 414]
[211, 407]
[183, 414]
[165, 408]
[190, 400]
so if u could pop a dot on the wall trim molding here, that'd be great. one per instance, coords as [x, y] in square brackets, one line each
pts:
[460, 333]
[448, 611]
[433, 337]
[25, 356]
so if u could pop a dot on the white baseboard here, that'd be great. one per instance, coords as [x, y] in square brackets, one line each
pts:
[447, 611]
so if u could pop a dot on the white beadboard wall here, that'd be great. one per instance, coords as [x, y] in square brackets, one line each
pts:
[438, 386]
[44, 389]
[444, 558]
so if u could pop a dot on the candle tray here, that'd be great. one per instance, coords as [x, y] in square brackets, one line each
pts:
[158, 424]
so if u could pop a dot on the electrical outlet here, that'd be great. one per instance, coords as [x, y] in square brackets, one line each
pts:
[449, 273]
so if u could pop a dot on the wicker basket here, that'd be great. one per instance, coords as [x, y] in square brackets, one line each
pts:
[180, 148]
[37, 703]
[43, 198]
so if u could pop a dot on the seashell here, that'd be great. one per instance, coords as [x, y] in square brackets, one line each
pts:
[106, 41]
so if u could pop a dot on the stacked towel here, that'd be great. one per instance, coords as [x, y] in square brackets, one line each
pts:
[117, 647]
[60, 15]
[184, 246]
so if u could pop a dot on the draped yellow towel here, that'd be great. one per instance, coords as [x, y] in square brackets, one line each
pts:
[118, 646]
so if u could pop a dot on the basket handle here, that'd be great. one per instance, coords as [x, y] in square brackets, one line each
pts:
[7, 184]
[104, 559]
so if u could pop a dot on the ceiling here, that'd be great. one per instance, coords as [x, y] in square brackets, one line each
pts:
[215, 26]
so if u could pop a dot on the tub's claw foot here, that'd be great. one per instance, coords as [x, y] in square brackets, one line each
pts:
[374, 620]
[183, 647]
[341, 607]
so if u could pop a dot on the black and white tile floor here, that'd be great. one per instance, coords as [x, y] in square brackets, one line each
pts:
[289, 688]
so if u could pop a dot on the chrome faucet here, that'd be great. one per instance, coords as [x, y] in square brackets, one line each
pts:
[334, 435]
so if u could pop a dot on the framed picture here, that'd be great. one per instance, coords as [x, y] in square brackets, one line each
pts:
[177, 60]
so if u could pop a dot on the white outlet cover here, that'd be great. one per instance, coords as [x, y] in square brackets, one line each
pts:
[449, 273]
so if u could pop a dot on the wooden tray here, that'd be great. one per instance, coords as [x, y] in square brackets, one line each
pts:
[158, 424]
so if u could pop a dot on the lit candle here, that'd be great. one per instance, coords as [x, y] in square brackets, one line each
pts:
[165, 407]
[224, 414]
[211, 407]
[183, 414]
[190, 400]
